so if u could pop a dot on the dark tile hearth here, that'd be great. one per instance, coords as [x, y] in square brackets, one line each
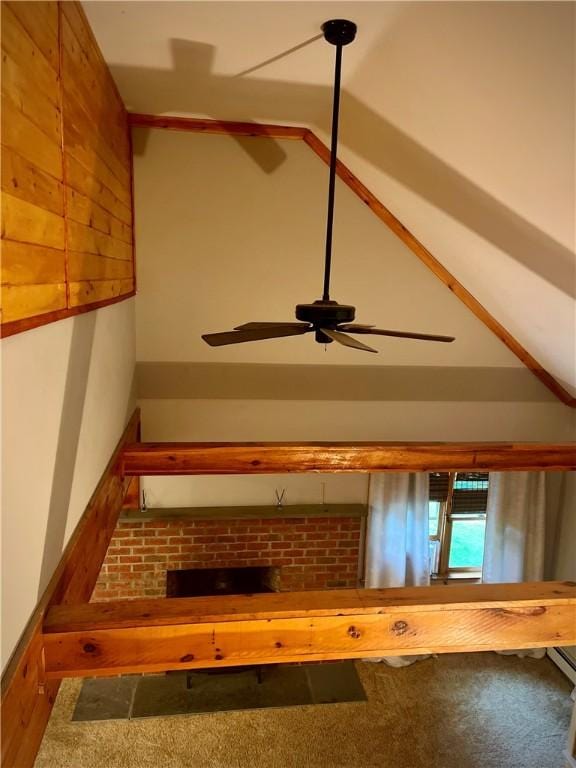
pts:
[181, 693]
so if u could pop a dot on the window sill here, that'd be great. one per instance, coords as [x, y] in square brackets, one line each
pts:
[456, 578]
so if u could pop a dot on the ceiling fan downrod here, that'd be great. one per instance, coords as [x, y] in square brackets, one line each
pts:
[337, 32]
[327, 319]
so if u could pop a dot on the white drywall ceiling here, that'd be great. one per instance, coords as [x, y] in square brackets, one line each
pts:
[459, 116]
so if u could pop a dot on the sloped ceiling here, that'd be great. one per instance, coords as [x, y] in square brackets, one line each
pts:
[459, 117]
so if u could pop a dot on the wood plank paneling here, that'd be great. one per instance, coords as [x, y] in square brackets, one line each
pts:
[263, 458]
[28, 223]
[89, 266]
[90, 187]
[85, 211]
[23, 301]
[22, 179]
[18, 43]
[26, 264]
[90, 240]
[19, 86]
[156, 635]
[40, 20]
[90, 291]
[66, 169]
[27, 698]
[24, 137]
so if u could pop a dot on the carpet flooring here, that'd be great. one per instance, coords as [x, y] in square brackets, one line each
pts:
[477, 710]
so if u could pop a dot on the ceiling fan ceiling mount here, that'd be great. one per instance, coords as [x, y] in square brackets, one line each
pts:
[339, 31]
[326, 318]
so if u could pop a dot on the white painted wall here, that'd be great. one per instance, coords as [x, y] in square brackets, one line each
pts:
[222, 240]
[66, 397]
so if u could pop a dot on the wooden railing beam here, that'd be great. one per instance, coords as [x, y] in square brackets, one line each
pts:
[139, 636]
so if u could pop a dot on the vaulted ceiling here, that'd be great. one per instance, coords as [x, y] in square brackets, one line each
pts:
[459, 116]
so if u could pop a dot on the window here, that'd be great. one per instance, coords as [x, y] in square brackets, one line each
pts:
[457, 523]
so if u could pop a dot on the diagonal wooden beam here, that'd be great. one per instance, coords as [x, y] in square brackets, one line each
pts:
[263, 458]
[198, 125]
[231, 128]
[138, 636]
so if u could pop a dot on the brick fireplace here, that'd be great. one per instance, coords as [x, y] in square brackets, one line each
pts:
[306, 552]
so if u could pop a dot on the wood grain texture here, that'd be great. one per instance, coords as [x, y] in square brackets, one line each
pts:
[27, 264]
[264, 458]
[27, 698]
[419, 250]
[22, 301]
[156, 635]
[66, 169]
[198, 125]
[22, 179]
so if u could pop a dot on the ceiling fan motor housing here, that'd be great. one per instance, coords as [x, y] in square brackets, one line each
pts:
[325, 314]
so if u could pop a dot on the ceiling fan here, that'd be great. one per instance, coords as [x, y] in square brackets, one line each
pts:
[329, 320]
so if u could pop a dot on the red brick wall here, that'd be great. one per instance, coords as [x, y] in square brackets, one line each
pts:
[313, 553]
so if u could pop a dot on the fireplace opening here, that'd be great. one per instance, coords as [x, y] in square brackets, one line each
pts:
[204, 582]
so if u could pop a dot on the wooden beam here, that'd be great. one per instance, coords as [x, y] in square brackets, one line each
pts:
[263, 458]
[197, 125]
[138, 636]
[27, 697]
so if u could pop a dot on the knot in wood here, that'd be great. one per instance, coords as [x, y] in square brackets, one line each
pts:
[399, 627]
[89, 648]
[354, 633]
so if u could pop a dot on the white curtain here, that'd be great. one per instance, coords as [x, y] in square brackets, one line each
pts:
[515, 531]
[397, 551]
[515, 527]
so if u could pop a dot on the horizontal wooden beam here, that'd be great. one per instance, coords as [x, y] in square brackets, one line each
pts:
[137, 636]
[263, 458]
[230, 128]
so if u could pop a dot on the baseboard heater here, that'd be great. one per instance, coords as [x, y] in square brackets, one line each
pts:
[565, 661]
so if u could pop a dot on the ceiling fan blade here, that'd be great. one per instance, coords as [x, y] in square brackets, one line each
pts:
[255, 334]
[254, 326]
[353, 326]
[347, 341]
[400, 334]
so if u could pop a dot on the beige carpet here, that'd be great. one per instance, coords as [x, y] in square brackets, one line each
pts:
[456, 711]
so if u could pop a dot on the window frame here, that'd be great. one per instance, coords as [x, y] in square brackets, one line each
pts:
[444, 538]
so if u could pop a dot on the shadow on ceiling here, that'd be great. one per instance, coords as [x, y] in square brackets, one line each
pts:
[191, 87]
